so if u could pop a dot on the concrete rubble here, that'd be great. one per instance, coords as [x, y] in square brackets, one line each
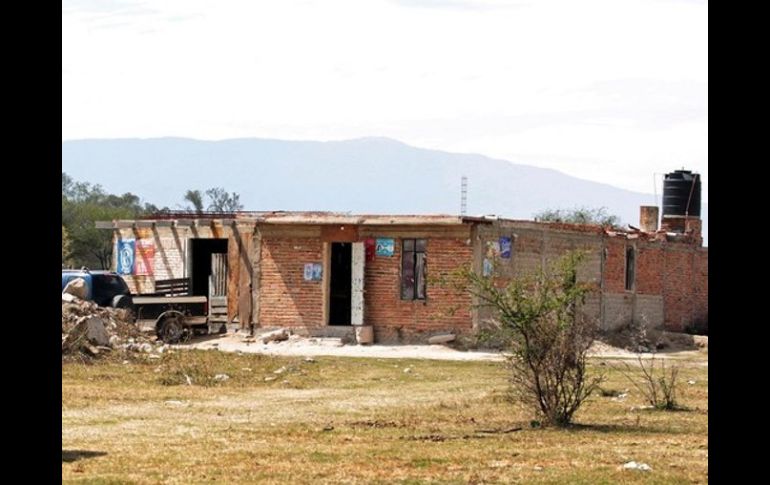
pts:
[89, 330]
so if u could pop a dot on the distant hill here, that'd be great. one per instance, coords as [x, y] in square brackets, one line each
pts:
[367, 175]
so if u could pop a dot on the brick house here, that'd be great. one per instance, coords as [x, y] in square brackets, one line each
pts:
[323, 273]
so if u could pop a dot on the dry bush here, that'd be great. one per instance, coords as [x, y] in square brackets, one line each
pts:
[658, 383]
[547, 336]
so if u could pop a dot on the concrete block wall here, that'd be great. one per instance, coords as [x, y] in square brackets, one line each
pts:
[617, 310]
[535, 247]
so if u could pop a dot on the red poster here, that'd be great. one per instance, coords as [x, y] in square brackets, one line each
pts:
[369, 247]
[145, 255]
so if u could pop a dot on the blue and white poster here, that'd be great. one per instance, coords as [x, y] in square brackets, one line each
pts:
[126, 255]
[313, 272]
[505, 247]
[385, 246]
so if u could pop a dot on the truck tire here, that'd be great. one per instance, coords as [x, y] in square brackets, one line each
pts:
[171, 329]
[122, 301]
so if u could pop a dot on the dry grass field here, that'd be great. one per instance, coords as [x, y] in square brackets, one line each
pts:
[357, 420]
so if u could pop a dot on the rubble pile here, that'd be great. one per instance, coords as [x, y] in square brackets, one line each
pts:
[92, 330]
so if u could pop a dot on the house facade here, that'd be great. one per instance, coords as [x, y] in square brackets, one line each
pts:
[320, 273]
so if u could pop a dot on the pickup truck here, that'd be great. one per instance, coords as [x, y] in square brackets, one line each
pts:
[104, 288]
[171, 311]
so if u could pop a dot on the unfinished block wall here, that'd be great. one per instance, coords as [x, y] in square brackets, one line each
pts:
[535, 247]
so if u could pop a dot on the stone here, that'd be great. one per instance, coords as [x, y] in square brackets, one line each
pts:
[275, 336]
[441, 339]
[96, 333]
[632, 465]
[221, 377]
[77, 287]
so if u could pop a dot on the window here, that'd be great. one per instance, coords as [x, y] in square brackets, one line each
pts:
[413, 269]
[630, 268]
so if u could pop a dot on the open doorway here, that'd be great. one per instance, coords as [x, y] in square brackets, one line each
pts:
[204, 270]
[340, 284]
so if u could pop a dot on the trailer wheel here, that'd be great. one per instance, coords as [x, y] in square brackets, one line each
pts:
[171, 329]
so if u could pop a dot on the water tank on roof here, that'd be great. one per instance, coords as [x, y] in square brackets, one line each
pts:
[681, 194]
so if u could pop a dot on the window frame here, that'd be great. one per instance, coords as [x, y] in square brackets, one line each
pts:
[630, 269]
[417, 288]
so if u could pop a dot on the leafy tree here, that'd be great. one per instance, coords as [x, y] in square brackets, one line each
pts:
[195, 198]
[579, 215]
[547, 336]
[221, 201]
[82, 205]
[65, 248]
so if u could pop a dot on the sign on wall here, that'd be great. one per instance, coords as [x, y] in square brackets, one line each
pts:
[505, 247]
[385, 246]
[126, 253]
[369, 247]
[488, 267]
[144, 257]
[313, 272]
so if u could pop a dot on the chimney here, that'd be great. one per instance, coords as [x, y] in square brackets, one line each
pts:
[648, 218]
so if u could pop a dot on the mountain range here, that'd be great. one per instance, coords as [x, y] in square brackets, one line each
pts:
[366, 175]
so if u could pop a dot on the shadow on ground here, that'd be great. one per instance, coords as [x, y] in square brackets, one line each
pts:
[68, 456]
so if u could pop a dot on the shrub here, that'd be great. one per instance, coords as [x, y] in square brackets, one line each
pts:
[547, 336]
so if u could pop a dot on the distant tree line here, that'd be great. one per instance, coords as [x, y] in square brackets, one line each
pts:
[83, 204]
[579, 215]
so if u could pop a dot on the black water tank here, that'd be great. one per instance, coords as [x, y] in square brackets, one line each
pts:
[679, 188]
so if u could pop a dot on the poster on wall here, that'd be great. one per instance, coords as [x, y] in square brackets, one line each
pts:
[488, 267]
[313, 272]
[145, 256]
[505, 247]
[125, 251]
[385, 246]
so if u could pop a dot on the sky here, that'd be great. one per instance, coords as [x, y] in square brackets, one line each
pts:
[614, 91]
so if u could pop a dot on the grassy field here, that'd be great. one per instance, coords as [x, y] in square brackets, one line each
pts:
[345, 420]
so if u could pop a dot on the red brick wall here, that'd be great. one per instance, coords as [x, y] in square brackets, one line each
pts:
[615, 266]
[444, 308]
[286, 299]
[649, 270]
[701, 289]
[677, 291]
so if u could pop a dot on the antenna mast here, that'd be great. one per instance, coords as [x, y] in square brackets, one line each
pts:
[464, 195]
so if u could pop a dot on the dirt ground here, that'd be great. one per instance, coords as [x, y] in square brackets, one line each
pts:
[298, 346]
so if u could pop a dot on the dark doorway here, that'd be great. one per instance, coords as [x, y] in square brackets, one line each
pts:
[340, 284]
[201, 251]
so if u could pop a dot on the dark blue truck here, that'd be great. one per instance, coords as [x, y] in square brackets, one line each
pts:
[170, 311]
